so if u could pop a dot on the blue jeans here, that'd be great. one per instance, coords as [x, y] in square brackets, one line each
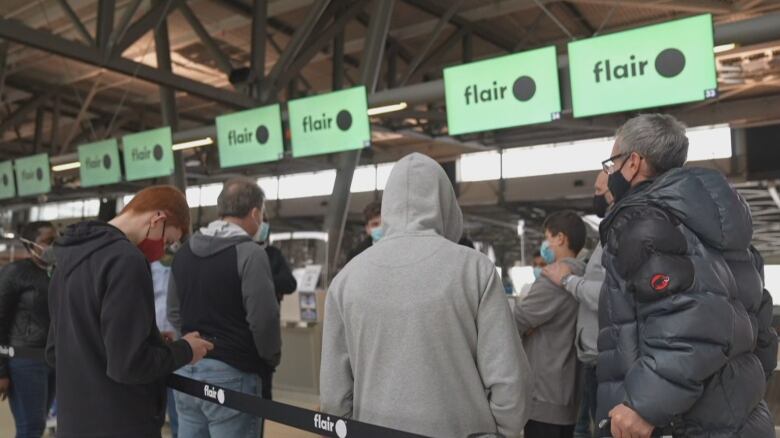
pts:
[586, 418]
[172, 414]
[204, 419]
[31, 395]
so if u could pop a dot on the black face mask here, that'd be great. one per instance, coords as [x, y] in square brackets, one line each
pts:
[600, 205]
[618, 185]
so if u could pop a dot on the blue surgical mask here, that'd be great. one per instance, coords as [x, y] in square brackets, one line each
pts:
[376, 234]
[265, 229]
[537, 271]
[547, 253]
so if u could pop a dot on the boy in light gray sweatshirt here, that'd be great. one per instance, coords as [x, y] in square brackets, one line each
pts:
[546, 319]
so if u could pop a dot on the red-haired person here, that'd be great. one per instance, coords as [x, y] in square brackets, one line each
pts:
[110, 358]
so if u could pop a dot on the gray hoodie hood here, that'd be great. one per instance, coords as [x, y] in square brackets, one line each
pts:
[419, 198]
[217, 237]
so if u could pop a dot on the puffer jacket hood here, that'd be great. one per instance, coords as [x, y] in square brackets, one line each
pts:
[419, 198]
[703, 200]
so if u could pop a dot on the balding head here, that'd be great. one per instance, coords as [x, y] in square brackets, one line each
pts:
[238, 197]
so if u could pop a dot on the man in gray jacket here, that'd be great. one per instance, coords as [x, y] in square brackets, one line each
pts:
[586, 289]
[546, 319]
[222, 287]
[418, 333]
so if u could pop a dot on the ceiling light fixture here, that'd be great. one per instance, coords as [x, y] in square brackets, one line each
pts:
[387, 109]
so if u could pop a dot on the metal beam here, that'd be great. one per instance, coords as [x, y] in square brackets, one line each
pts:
[715, 7]
[443, 21]
[3, 65]
[293, 47]
[468, 48]
[22, 34]
[55, 123]
[38, 137]
[76, 126]
[575, 12]
[371, 64]
[323, 40]
[402, 51]
[105, 24]
[439, 52]
[119, 31]
[483, 31]
[257, 49]
[338, 61]
[555, 20]
[168, 100]
[76, 22]
[142, 26]
[22, 111]
[223, 62]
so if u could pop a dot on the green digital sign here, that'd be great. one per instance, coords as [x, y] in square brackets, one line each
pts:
[148, 154]
[333, 122]
[251, 136]
[513, 90]
[7, 184]
[652, 66]
[99, 163]
[33, 175]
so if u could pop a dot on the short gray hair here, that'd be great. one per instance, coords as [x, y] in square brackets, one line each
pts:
[238, 197]
[659, 138]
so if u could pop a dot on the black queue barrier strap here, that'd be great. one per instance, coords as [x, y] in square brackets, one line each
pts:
[299, 418]
[22, 352]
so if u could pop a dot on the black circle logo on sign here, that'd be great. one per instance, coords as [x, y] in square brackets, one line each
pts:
[524, 88]
[39, 174]
[344, 120]
[5, 179]
[158, 152]
[261, 134]
[670, 63]
[107, 161]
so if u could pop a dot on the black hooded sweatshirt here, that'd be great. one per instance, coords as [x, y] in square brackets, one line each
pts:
[109, 356]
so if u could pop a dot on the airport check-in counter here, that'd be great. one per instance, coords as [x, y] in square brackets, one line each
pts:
[302, 315]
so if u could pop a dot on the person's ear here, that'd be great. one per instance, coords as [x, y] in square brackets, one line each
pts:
[632, 166]
[158, 217]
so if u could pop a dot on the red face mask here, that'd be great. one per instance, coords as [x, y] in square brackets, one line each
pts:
[153, 249]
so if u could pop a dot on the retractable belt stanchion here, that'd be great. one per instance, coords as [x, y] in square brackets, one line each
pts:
[299, 418]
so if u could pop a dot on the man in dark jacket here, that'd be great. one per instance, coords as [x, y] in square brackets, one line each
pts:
[678, 312]
[24, 322]
[373, 228]
[111, 361]
[221, 286]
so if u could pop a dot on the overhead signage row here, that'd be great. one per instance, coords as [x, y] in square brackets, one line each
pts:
[651, 66]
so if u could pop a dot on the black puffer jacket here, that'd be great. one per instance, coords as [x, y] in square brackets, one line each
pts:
[24, 309]
[679, 312]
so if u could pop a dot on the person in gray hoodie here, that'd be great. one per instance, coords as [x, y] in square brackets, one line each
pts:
[221, 286]
[546, 319]
[418, 334]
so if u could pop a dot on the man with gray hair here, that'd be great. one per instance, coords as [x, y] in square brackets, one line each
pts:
[222, 287]
[682, 301]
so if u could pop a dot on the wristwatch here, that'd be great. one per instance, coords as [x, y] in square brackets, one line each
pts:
[565, 280]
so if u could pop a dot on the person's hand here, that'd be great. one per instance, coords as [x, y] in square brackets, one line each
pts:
[5, 386]
[200, 347]
[168, 337]
[626, 423]
[556, 271]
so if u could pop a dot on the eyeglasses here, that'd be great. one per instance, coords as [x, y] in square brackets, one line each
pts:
[608, 165]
